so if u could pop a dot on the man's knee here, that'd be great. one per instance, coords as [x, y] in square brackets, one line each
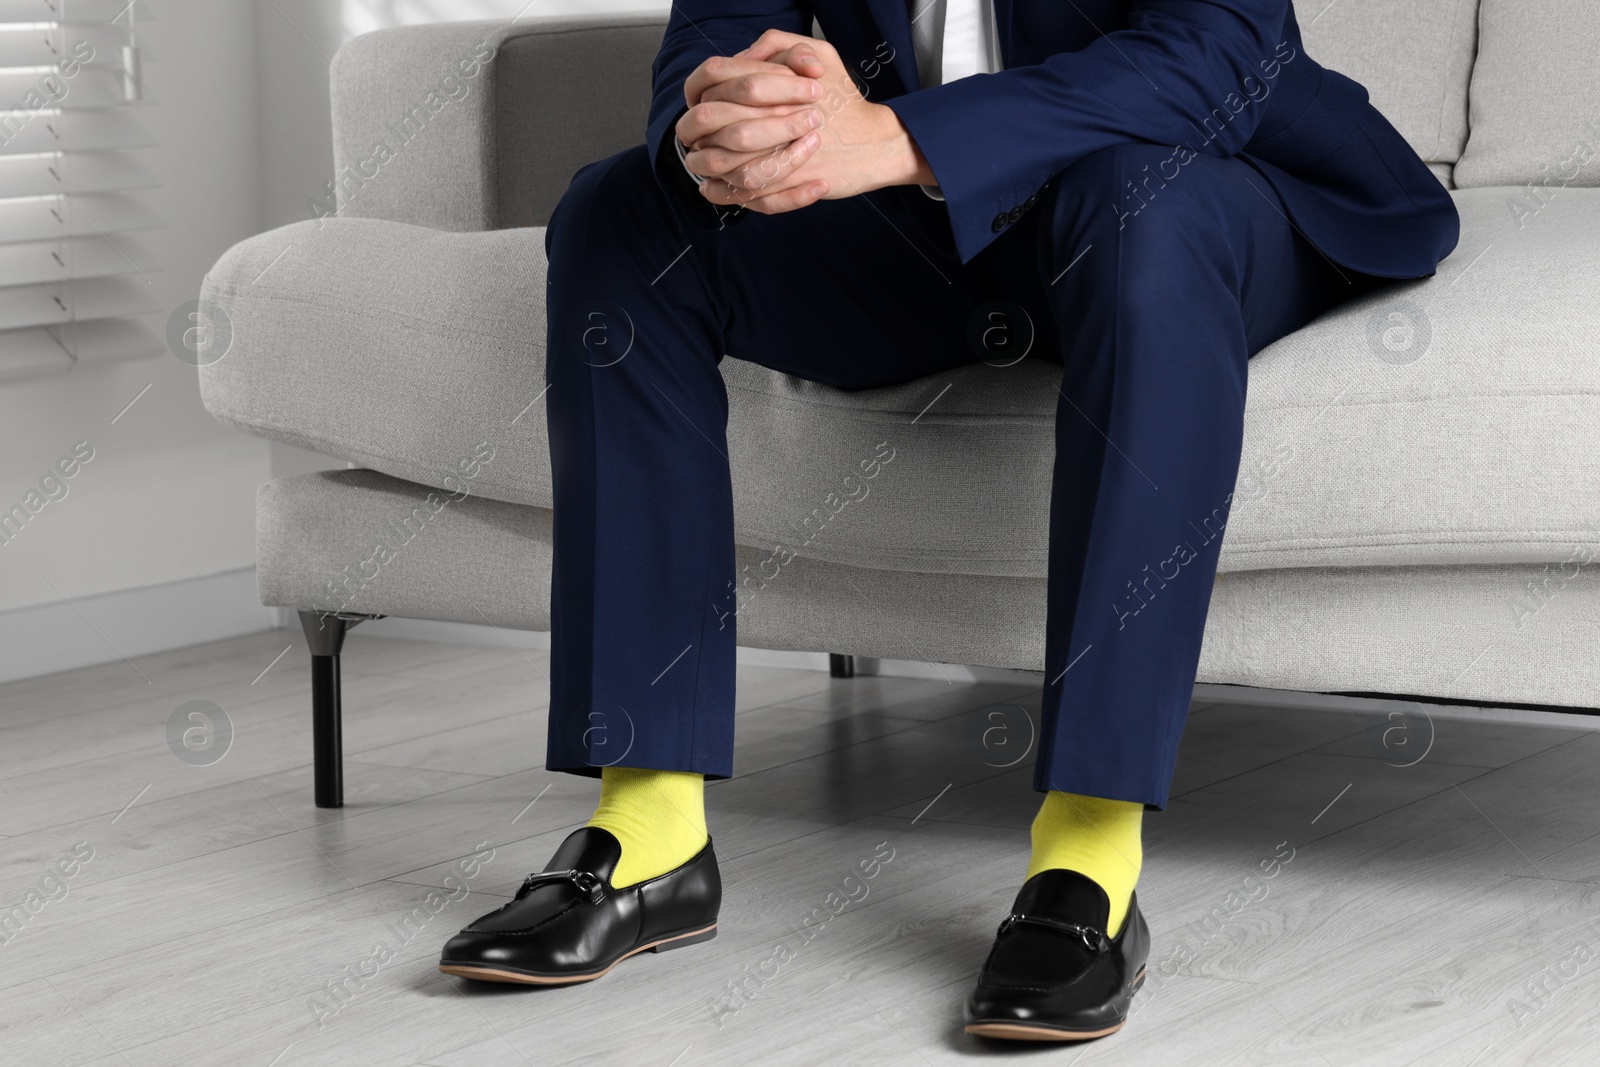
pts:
[1164, 187]
[617, 188]
[1158, 210]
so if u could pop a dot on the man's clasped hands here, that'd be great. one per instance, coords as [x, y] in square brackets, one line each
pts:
[782, 125]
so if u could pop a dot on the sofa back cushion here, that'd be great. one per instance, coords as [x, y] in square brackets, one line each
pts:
[564, 99]
[480, 125]
[1414, 57]
[1535, 96]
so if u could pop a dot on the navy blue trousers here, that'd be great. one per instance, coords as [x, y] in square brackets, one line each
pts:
[1151, 287]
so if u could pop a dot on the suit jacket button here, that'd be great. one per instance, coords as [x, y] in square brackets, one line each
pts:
[1016, 213]
[1001, 221]
[1032, 200]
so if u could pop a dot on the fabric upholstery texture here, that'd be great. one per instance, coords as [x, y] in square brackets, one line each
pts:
[360, 541]
[398, 347]
[1436, 421]
[1535, 96]
[1410, 514]
[478, 151]
[1479, 633]
[1414, 57]
[1420, 425]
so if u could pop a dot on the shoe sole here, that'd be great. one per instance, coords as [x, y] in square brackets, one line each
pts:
[1024, 1032]
[495, 974]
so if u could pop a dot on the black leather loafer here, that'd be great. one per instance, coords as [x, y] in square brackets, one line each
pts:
[567, 924]
[1053, 975]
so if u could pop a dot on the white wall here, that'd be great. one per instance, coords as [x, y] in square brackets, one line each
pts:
[242, 121]
[169, 493]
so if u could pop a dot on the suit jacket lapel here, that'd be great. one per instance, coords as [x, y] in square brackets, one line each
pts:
[893, 19]
[1002, 24]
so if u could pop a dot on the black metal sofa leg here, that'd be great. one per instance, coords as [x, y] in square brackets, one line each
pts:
[325, 635]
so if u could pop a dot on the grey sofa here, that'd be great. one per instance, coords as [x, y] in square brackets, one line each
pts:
[1418, 509]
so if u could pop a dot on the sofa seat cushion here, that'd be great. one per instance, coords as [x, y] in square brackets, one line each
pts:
[361, 541]
[1445, 421]
[1448, 420]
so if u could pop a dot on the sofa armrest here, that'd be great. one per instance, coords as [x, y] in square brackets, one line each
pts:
[401, 348]
[480, 125]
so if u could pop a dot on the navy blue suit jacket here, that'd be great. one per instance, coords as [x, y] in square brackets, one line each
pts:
[1221, 77]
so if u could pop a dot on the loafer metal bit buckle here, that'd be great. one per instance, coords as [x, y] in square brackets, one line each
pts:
[1094, 940]
[585, 882]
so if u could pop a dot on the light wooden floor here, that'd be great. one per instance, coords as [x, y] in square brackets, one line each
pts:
[1441, 912]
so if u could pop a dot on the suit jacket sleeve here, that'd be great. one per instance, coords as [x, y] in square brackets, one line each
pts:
[696, 31]
[1181, 73]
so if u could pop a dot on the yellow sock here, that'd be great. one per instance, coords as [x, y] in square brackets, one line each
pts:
[659, 816]
[1096, 837]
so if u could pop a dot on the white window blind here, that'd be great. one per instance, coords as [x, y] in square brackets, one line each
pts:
[76, 260]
